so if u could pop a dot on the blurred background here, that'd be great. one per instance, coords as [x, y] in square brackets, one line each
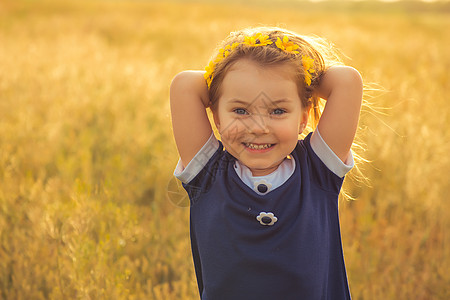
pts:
[89, 208]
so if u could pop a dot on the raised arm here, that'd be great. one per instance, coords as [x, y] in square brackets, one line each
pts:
[342, 87]
[190, 123]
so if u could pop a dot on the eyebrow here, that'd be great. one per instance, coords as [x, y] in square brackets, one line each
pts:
[235, 100]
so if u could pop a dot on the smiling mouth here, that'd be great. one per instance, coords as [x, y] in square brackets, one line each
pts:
[258, 146]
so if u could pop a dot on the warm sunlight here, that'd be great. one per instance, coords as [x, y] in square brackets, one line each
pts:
[89, 208]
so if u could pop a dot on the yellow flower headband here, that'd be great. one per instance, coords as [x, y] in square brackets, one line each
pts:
[259, 40]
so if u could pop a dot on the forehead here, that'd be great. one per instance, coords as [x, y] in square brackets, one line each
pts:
[247, 81]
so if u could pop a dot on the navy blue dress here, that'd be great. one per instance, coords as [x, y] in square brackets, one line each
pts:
[296, 253]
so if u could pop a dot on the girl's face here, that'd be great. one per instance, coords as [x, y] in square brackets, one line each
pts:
[259, 115]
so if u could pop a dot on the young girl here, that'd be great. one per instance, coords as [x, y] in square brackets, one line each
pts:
[264, 204]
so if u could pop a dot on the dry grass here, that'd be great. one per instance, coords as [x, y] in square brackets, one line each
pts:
[86, 151]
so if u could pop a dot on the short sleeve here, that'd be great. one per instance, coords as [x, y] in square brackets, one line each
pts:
[198, 162]
[329, 158]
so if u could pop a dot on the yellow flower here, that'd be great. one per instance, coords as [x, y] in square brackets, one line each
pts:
[308, 63]
[208, 81]
[234, 46]
[257, 40]
[308, 78]
[263, 39]
[286, 45]
[209, 71]
[308, 66]
[223, 53]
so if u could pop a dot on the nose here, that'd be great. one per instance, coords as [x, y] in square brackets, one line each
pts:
[258, 125]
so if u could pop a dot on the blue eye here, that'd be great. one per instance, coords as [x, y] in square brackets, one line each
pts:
[240, 111]
[278, 111]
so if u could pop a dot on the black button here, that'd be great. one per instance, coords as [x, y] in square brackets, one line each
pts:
[262, 188]
[266, 219]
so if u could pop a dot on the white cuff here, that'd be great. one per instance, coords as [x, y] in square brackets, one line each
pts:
[197, 163]
[329, 158]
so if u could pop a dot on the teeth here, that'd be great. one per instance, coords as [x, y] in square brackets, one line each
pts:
[257, 147]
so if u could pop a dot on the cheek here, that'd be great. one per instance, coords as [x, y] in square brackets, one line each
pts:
[290, 136]
[231, 130]
[287, 130]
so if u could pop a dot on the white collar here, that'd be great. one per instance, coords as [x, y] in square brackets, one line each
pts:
[268, 182]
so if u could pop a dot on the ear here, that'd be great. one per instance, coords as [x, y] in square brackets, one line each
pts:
[303, 120]
[216, 119]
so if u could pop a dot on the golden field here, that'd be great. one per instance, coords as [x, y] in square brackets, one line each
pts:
[87, 155]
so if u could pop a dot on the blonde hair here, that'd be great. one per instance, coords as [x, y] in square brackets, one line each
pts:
[321, 53]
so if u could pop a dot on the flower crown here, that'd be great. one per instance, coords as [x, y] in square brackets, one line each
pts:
[260, 40]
